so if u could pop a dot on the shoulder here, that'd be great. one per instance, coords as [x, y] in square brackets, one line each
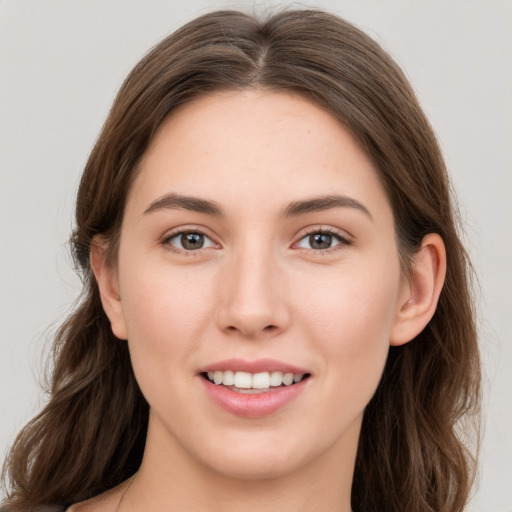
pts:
[105, 502]
[41, 508]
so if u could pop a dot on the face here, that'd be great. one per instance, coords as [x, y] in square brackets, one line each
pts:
[257, 243]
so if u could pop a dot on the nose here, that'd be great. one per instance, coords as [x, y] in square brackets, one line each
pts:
[254, 302]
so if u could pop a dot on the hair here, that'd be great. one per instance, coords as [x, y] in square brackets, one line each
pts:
[413, 454]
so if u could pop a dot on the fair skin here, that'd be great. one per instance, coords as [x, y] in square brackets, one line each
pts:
[263, 271]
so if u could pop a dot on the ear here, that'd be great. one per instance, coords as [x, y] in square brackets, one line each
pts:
[420, 293]
[106, 277]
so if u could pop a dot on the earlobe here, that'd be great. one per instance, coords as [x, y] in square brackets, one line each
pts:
[108, 285]
[418, 301]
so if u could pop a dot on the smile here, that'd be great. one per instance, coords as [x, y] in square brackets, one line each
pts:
[254, 389]
[245, 382]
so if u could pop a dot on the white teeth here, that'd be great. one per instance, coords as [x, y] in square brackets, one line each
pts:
[276, 378]
[229, 378]
[243, 380]
[288, 379]
[262, 380]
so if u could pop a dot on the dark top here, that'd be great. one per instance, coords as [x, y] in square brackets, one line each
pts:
[42, 508]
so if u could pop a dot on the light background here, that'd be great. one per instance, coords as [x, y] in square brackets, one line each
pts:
[61, 63]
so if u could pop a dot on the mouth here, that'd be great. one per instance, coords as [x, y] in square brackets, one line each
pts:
[253, 389]
[253, 383]
[252, 395]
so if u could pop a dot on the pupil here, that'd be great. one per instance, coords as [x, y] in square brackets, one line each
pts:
[320, 241]
[192, 241]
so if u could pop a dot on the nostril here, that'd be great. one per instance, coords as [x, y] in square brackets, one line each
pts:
[251, 330]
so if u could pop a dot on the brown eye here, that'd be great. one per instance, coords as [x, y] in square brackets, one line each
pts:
[321, 241]
[190, 241]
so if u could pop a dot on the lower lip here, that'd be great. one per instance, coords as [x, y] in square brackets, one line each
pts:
[253, 405]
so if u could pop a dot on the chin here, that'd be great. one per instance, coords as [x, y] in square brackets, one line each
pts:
[261, 456]
[252, 468]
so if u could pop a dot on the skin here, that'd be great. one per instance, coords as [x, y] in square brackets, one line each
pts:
[258, 289]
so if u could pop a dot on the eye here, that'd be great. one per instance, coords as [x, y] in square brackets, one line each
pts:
[189, 241]
[321, 240]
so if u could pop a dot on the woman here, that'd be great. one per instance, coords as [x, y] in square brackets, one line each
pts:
[276, 307]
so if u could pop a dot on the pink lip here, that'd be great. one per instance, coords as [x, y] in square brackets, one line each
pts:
[256, 366]
[255, 405]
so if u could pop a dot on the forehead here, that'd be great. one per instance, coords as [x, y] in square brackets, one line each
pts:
[254, 146]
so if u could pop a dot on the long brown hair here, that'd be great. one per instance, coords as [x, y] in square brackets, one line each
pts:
[411, 455]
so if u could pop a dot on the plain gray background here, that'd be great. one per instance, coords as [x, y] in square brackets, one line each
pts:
[61, 63]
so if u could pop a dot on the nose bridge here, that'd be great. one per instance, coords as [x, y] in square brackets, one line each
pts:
[253, 300]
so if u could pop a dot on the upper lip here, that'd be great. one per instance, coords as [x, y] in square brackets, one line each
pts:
[255, 366]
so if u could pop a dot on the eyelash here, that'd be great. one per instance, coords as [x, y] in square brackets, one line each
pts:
[342, 241]
[191, 252]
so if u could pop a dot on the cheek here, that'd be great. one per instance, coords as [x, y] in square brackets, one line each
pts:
[165, 311]
[350, 318]
[352, 305]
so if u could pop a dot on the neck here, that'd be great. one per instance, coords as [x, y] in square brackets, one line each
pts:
[170, 480]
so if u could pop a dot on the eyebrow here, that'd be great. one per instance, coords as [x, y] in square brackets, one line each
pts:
[321, 203]
[179, 202]
[194, 204]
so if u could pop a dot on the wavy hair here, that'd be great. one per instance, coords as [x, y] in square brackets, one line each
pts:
[412, 453]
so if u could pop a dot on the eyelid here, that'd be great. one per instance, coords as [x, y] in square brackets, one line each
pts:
[344, 238]
[180, 230]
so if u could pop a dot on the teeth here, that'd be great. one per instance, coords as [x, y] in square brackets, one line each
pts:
[243, 380]
[276, 378]
[228, 378]
[288, 379]
[263, 380]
